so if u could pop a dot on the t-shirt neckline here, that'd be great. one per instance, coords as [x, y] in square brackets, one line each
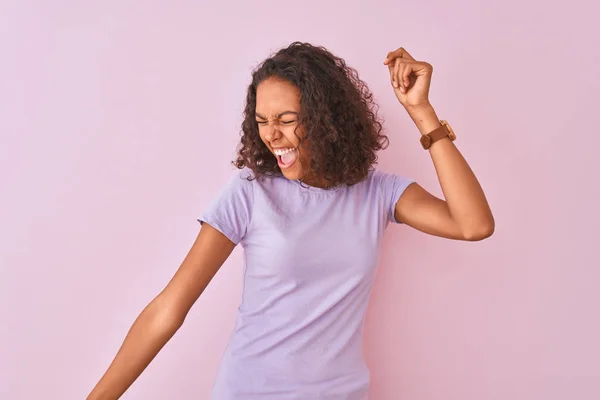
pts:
[315, 189]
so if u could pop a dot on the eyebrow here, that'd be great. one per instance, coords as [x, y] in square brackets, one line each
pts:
[278, 115]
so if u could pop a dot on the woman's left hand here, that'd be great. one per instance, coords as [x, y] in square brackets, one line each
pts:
[410, 78]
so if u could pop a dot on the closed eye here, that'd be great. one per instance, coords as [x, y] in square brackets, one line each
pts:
[283, 122]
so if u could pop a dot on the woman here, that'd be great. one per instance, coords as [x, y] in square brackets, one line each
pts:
[310, 210]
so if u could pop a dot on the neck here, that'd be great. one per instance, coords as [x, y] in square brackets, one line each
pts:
[318, 182]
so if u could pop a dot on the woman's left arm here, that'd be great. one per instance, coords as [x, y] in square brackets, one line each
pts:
[465, 213]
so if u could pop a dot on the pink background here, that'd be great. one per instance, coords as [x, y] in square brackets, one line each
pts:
[117, 123]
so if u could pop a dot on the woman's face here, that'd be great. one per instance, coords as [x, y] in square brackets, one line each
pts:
[277, 109]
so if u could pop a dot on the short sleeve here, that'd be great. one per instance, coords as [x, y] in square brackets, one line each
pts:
[392, 187]
[230, 211]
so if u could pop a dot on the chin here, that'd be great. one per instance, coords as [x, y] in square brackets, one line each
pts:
[292, 174]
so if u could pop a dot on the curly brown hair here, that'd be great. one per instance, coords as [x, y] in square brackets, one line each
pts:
[342, 130]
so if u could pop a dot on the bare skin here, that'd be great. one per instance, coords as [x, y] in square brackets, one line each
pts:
[464, 214]
[277, 108]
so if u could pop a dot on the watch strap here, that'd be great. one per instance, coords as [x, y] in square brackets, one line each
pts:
[439, 133]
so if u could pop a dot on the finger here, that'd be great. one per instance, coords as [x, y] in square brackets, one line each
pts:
[388, 59]
[402, 76]
[390, 66]
[405, 75]
[397, 66]
[399, 53]
[406, 55]
[391, 70]
[391, 56]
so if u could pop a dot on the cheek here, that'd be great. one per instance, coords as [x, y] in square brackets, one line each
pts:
[293, 136]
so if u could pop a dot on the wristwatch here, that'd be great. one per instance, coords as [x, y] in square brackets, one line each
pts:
[437, 134]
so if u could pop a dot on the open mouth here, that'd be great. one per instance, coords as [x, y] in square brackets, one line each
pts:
[286, 157]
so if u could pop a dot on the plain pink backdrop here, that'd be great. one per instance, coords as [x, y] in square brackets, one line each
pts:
[117, 123]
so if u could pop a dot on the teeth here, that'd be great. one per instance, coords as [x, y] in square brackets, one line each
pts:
[281, 152]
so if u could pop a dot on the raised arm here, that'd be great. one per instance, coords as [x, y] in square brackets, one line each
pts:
[464, 214]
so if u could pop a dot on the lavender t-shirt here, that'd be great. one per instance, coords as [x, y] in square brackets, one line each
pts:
[310, 257]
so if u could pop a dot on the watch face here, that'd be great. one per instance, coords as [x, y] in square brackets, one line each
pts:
[451, 134]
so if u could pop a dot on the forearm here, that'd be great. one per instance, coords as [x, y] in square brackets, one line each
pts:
[464, 196]
[149, 333]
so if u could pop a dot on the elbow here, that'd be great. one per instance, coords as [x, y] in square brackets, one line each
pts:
[480, 232]
[164, 316]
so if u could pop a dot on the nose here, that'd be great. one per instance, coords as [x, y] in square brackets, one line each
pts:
[272, 131]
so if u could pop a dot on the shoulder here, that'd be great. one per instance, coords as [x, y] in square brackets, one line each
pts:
[381, 178]
[377, 175]
[245, 182]
[389, 183]
[243, 175]
[239, 185]
[242, 179]
[245, 179]
[377, 183]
